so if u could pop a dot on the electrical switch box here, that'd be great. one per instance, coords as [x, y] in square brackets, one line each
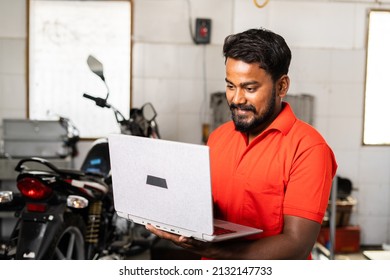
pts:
[202, 30]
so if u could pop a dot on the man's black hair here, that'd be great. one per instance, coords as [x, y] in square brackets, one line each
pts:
[261, 46]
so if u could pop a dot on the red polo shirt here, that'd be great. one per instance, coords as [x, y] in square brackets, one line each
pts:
[286, 170]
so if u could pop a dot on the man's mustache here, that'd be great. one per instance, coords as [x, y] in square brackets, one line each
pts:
[243, 107]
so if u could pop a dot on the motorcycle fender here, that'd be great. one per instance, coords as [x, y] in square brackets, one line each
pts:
[36, 233]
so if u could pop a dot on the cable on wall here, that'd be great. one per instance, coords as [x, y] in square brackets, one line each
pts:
[260, 6]
[204, 110]
[190, 21]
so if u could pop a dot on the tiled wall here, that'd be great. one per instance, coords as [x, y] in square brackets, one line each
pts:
[327, 39]
[12, 59]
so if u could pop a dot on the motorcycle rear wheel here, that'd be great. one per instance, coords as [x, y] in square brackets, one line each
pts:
[69, 243]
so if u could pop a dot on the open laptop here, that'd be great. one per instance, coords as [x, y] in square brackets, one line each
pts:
[167, 184]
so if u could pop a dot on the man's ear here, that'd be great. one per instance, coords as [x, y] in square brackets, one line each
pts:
[282, 86]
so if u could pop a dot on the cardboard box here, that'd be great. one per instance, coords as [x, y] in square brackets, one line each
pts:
[347, 239]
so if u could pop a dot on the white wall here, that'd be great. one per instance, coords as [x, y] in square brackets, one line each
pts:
[327, 39]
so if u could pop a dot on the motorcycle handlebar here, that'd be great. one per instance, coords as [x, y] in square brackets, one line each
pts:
[130, 126]
[99, 101]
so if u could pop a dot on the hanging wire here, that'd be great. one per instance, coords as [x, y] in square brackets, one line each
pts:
[260, 5]
[190, 21]
[204, 110]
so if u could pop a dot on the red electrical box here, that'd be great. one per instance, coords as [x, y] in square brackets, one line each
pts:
[202, 30]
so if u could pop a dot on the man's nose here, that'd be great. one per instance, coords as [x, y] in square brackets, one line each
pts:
[239, 97]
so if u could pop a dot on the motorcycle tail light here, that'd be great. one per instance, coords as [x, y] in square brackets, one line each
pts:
[33, 188]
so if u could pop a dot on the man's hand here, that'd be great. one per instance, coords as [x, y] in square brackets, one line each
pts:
[188, 243]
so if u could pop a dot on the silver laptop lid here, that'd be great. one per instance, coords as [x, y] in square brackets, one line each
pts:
[163, 181]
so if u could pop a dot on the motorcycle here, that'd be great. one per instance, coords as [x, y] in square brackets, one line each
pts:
[69, 214]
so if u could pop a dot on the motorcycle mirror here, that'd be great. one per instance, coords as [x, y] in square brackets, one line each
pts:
[148, 112]
[96, 66]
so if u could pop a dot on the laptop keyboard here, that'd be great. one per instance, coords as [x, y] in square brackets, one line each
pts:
[220, 230]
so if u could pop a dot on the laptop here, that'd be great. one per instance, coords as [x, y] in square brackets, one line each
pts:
[167, 184]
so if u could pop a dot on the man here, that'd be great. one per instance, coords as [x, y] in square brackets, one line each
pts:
[269, 169]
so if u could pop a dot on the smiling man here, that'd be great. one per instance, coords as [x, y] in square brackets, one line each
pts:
[269, 169]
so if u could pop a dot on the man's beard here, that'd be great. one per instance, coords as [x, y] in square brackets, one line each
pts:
[247, 126]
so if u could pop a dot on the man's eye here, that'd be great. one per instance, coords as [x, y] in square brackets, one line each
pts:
[250, 89]
[229, 86]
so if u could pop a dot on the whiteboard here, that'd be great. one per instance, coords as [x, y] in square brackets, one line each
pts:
[62, 34]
